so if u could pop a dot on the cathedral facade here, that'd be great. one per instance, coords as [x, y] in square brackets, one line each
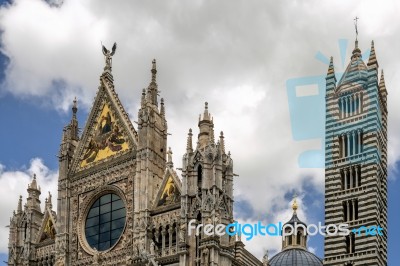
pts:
[120, 201]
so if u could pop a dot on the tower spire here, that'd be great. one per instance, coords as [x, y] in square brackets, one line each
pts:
[372, 57]
[154, 71]
[356, 52]
[356, 27]
[19, 209]
[331, 69]
[189, 145]
[152, 90]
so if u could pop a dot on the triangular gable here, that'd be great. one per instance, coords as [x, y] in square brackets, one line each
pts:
[108, 132]
[48, 229]
[170, 190]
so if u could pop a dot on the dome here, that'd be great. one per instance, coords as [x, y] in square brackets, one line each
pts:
[295, 257]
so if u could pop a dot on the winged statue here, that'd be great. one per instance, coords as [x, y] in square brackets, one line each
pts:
[108, 55]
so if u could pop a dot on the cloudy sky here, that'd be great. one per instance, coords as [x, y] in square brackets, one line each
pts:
[238, 56]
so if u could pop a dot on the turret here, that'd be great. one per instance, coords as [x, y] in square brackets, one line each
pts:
[33, 201]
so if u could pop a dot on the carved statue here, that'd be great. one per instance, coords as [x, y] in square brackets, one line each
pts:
[152, 248]
[108, 55]
[182, 232]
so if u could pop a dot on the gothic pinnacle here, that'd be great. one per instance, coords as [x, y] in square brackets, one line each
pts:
[162, 108]
[19, 210]
[372, 56]
[74, 107]
[331, 69]
[153, 71]
[206, 115]
[222, 142]
[189, 146]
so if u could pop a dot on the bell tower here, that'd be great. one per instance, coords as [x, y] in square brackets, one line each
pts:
[356, 161]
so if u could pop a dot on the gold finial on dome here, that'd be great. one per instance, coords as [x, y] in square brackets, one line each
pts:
[294, 204]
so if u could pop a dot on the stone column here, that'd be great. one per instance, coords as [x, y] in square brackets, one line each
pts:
[343, 146]
[356, 168]
[348, 143]
[351, 177]
[163, 233]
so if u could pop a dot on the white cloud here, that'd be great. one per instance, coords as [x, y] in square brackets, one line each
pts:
[15, 183]
[236, 56]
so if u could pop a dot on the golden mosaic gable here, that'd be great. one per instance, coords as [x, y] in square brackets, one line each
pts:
[107, 138]
[170, 193]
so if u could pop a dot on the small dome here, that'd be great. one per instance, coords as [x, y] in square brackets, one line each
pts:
[295, 220]
[295, 257]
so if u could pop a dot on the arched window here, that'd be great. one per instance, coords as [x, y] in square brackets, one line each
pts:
[298, 240]
[167, 234]
[199, 177]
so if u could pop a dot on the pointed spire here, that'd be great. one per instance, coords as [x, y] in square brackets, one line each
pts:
[152, 90]
[382, 86]
[33, 184]
[19, 209]
[372, 61]
[74, 121]
[382, 80]
[206, 115]
[222, 142]
[154, 71]
[189, 146]
[33, 201]
[331, 69]
[74, 108]
[143, 100]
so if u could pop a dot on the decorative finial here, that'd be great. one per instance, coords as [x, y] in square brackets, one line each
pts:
[153, 71]
[222, 142]
[108, 56]
[74, 106]
[356, 26]
[295, 205]
[189, 146]
[331, 69]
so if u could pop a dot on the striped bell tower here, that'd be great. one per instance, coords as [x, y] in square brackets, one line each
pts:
[356, 161]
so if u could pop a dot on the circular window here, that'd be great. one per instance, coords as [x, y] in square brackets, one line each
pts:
[105, 222]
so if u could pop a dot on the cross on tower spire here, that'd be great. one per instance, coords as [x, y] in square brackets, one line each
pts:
[356, 26]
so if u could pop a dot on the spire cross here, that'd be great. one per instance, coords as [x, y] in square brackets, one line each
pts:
[355, 24]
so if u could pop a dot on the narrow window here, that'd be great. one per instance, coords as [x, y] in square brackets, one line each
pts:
[199, 177]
